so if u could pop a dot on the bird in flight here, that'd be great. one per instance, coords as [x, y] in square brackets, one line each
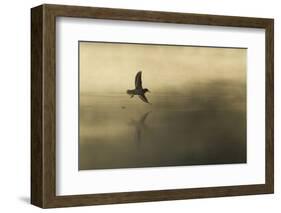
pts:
[139, 91]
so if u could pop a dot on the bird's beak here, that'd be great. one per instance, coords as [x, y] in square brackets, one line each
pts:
[148, 91]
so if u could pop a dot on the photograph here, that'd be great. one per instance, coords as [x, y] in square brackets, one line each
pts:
[157, 105]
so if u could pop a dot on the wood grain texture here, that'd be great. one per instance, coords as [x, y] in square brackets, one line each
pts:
[269, 138]
[43, 105]
[36, 106]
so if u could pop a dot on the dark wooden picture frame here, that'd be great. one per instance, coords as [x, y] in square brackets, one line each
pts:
[43, 105]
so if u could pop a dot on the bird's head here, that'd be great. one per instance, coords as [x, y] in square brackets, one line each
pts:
[146, 90]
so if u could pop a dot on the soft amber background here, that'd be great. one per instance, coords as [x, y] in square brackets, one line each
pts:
[198, 111]
[111, 67]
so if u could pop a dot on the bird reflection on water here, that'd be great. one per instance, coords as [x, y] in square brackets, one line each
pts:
[140, 127]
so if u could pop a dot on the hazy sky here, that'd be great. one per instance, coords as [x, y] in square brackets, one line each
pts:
[111, 67]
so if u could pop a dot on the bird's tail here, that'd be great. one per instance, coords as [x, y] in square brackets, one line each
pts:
[130, 92]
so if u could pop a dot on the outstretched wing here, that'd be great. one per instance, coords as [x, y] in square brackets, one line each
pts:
[138, 82]
[143, 98]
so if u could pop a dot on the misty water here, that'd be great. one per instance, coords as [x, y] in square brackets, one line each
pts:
[205, 126]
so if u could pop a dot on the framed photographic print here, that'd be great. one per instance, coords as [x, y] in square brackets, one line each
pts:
[136, 106]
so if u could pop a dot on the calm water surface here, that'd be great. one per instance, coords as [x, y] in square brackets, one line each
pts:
[203, 127]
